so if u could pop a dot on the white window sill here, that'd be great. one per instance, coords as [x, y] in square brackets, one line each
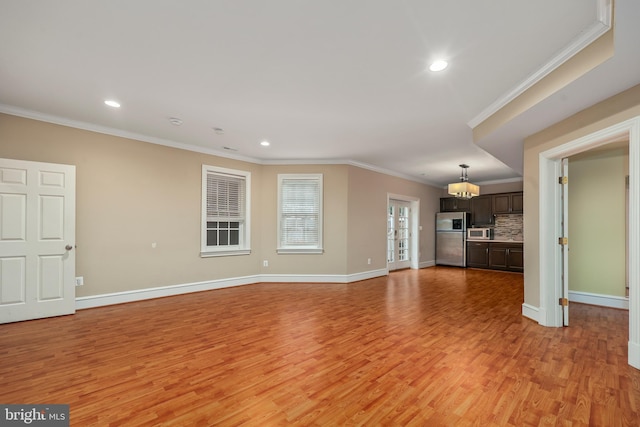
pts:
[207, 254]
[300, 251]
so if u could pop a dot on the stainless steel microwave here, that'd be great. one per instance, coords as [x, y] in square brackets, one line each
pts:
[480, 233]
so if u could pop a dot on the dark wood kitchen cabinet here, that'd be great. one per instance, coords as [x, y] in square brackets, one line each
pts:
[517, 203]
[478, 254]
[508, 203]
[495, 255]
[515, 258]
[453, 204]
[506, 256]
[481, 210]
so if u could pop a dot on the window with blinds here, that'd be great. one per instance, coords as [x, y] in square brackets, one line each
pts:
[300, 213]
[225, 229]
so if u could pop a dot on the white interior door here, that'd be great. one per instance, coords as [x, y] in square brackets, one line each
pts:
[398, 235]
[37, 238]
[565, 245]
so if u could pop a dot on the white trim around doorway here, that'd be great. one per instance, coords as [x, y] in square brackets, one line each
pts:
[550, 313]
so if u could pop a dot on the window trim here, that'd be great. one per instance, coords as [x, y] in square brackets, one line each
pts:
[244, 246]
[306, 249]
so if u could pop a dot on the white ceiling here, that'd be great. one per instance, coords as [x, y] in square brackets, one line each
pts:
[325, 80]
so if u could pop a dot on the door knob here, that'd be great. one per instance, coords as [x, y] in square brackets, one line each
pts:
[68, 247]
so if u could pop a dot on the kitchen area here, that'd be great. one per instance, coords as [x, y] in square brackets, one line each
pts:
[482, 232]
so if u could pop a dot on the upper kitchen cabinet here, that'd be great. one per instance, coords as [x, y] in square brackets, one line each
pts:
[452, 204]
[508, 203]
[481, 210]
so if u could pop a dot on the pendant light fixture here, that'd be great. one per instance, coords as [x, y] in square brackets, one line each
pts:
[464, 189]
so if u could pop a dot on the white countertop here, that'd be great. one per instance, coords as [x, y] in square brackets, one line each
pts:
[495, 241]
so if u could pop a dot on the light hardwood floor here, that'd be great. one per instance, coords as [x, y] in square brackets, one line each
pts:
[433, 347]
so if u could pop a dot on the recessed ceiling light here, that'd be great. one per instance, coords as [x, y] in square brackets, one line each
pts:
[175, 121]
[438, 65]
[112, 103]
[218, 131]
[265, 143]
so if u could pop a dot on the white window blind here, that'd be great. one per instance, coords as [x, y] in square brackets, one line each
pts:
[225, 197]
[300, 219]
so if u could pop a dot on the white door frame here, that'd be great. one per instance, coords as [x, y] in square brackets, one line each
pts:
[550, 163]
[415, 226]
[564, 226]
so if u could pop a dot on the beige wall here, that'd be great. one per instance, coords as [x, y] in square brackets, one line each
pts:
[367, 220]
[131, 194]
[597, 222]
[334, 258]
[616, 109]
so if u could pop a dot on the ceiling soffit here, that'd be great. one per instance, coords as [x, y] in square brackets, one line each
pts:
[483, 124]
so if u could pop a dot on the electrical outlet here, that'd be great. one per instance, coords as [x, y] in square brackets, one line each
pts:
[265, 263]
[80, 281]
[369, 261]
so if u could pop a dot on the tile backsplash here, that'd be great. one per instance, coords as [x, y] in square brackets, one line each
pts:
[508, 227]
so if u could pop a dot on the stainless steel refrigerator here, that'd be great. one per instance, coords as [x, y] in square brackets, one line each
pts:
[451, 238]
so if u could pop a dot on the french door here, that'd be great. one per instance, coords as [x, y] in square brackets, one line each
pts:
[398, 235]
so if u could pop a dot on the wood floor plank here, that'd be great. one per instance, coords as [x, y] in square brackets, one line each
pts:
[438, 346]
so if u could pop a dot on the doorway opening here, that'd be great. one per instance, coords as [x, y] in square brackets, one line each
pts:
[550, 202]
[598, 232]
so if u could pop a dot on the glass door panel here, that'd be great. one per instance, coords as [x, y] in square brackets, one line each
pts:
[398, 235]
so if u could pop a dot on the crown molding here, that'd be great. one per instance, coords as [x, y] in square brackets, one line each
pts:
[500, 181]
[106, 130]
[586, 37]
[355, 163]
[391, 173]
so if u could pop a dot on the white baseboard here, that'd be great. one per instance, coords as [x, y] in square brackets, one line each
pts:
[535, 313]
[633, 354]
[531, 312]
[323, 278]
[599, 299]
[159, 292]
[367, 275]
[165, 291]
[303, 278]
[425, 264]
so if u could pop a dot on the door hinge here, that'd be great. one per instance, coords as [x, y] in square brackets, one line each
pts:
[563, 180]
[563, 241]
[563, 302]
